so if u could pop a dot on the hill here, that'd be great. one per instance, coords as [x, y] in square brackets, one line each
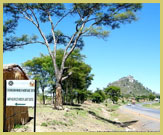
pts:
[131, 87]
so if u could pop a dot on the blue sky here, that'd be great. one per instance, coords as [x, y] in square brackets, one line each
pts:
[134, 49]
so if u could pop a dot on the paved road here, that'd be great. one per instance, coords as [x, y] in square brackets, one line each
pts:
[154, 113]
[149, 118]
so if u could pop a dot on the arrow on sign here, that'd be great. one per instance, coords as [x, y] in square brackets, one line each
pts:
[18, 104]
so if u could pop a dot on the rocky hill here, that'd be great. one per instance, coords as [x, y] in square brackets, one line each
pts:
[131, 87]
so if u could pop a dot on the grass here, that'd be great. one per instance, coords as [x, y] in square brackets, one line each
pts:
[55, 122]
[82, 113]
[76, 113]
[153, 106]
[113, 107]
[44, 124]
[71, 122]
[70, 114]
[114, 114]
[18, 126]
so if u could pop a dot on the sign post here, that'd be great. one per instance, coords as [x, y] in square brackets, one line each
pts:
[35, 106]
[21, 93]
[4, 108]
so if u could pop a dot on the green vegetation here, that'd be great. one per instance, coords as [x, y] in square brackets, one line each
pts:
[44, 124]
[70, 114]
[18, 126]
[152, 97]
[56, 122]
[98, 96]
[81, 113]
[114, 107]
[75, 87]
[113, 92]
[153, 105]
[143, 97]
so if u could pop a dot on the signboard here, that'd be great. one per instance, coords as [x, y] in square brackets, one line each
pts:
[20, 93]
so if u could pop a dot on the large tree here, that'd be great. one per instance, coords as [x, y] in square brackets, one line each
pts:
[93, 19]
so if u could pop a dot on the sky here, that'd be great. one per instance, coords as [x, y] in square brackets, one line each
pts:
[133, 49]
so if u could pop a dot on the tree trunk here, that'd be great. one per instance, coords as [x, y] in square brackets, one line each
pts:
[53, 97]
[43, 96]
[63, 98]
[78, 99]
[58, 99]
[66, 92]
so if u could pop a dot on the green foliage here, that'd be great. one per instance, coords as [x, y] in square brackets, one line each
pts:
[18, 126]
[143, 97]
[81, 95]
[44, 124]
[75, 87]
[36, 71]
[152, 97]
[98, 96]
[95, 14]
[9, 26]
[113, 92]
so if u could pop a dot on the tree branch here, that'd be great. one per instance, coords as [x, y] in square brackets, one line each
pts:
[35, 17]
[65, 56]
[55, 42]
[62, 18]
[43, 36]
[64, 78]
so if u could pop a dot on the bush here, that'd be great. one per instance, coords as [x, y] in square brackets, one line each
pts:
[98, 96]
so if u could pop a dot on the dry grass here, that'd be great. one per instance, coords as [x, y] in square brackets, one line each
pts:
[84, 118]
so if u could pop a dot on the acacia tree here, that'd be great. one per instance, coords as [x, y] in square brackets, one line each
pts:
[93, 19]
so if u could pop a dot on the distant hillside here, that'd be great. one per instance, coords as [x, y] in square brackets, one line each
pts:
[131, 87]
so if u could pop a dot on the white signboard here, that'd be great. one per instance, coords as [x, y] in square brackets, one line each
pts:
[20, 92]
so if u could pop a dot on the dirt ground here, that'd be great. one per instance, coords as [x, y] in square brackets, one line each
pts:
[87, 117]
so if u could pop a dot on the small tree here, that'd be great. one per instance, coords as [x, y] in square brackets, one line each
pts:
[151, 97]
[98, 96]
[113, 92]
[36, 71]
